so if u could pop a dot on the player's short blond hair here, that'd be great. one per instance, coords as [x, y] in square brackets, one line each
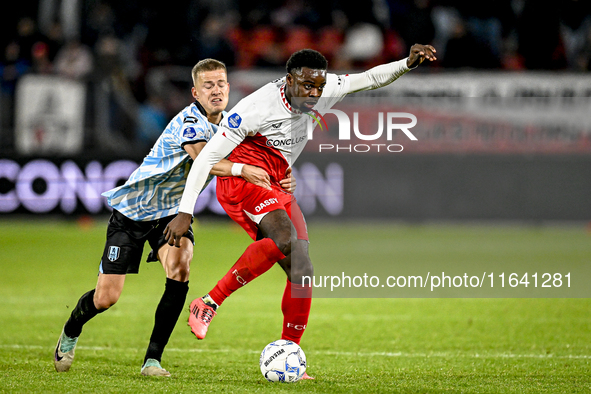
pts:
[207, 65]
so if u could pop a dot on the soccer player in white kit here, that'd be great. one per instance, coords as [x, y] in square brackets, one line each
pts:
[268, 129]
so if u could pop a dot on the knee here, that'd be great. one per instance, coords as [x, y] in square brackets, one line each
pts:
[283, 242]
[105, 299]
[180, 272]
[178, 265]
[302, 268]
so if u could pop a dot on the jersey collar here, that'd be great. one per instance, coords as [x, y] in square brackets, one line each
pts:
[285, 102]
[202, 110]
[284, 99]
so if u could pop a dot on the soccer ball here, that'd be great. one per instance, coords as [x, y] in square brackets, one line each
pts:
[282, 361]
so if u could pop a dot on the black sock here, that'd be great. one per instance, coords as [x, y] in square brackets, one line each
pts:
[83, 312]
[167, 313]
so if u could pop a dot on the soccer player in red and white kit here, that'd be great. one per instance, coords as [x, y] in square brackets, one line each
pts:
[268, 129]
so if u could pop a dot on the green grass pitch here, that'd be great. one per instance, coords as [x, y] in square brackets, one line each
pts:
[381, 345]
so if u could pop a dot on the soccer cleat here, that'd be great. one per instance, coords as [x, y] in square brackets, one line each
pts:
[64, 353]
[152, 367]
[305, 376]
[200, 315]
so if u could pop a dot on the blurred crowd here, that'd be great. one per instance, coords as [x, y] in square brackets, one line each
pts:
[124, 40]
[490, 34]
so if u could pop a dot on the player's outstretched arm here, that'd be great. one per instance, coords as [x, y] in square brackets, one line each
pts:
[385, 74]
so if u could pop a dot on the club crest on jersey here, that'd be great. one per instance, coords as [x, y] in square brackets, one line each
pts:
[234, 121]
[189, 132]
[113, 253]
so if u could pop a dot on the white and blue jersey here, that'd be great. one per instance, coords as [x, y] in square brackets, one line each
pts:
[155, 188]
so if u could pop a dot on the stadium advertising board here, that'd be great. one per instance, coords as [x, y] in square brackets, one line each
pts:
[75, 187]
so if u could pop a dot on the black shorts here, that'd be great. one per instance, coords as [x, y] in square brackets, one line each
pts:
[126, 239]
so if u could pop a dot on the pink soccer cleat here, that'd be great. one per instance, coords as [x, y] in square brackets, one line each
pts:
[306, 377]
[200, 315]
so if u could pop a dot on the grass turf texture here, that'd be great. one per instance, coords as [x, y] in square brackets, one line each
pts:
[352, 345]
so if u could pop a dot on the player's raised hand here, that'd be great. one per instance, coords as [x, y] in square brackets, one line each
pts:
[256, 176]
[177, 227]
[419, 53]
[289, 182]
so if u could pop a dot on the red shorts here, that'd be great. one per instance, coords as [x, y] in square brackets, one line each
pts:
[246, 203]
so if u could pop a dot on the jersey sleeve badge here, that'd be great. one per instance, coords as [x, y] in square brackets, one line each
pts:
[234, 121]
[189, 133]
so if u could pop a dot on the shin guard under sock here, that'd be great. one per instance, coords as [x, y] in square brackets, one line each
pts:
[167, 313]
[295, 305]
[82, 313]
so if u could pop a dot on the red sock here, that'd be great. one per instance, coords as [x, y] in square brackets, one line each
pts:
[257, 259]
[296, 303]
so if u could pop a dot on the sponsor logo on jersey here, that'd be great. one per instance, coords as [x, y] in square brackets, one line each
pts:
[234, 121]
[285, 142]
[113, 253]
[189, 132]
[190, 119]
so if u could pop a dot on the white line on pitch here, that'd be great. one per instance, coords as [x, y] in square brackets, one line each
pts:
[328, 352]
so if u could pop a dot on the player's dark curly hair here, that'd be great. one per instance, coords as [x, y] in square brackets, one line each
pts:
[306, 58]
